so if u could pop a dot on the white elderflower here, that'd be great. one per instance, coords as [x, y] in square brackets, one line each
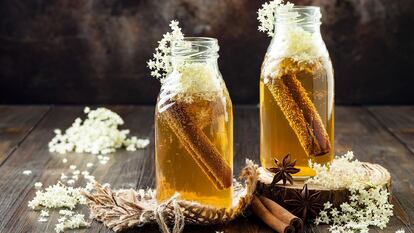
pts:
[44, 215]
[160, 64]
[66, 212]
[266, 15]
[71, 182]
[368, 203]
[134, 143]
[27, 172]
[73, 221]
[98, 134]
[63, 177]
[38, 185]
[57, 196]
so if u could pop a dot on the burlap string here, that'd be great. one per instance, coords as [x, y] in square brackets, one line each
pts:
[123, 209]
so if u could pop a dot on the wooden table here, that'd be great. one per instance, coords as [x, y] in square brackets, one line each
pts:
[383, 135]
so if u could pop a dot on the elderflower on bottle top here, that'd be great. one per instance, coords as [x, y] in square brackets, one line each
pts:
[292, 39]
[160, 65]
[267, 15]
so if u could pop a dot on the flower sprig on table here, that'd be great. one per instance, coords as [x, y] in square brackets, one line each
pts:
[98, 134]
[267, 15]
[368, 204]
[160, 65]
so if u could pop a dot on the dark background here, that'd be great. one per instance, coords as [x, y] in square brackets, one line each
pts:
[94, 51]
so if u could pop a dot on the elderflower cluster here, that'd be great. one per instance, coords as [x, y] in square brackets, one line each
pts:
[292, 40]
[191, 79]
[367, 207]
[342, 172]
[64, 199]
[70, 220]
[368, 202]
[57, 196]
[160, 64]
[98, 134]
[266, 15]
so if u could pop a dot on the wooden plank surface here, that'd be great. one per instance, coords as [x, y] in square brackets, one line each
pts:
[399, 121]
[371, 137]
[15, 123]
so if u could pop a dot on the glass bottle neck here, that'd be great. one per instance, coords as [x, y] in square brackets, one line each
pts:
[180, 62]
[313, 28]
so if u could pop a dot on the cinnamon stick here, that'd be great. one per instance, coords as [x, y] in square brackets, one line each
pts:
[282, 214]
[199, 146]
[309, 112]
[271, 220]
[300, 112]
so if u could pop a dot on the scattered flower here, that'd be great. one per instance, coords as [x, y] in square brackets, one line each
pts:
[89, 164]
[74, 221]
[41, 219]
[57, 196]
[65, 160]
[72, 167]
[44, 213]
[27, 172]
[66, 212]
[38, 185]
[63, 177]
[103, 159]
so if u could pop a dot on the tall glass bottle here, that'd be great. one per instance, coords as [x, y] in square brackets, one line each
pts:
[297, 92]
[194, 127]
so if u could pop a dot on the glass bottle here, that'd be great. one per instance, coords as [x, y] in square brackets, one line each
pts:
[194, 127]
[297, 92]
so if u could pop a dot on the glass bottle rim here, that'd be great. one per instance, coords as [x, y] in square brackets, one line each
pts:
[301, 15]
[195, 48]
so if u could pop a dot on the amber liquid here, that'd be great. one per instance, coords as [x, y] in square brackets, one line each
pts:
[176, 169]
[277, 138]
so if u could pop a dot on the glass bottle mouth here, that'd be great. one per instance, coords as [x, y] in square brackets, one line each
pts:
[195, 48]
[302, 15]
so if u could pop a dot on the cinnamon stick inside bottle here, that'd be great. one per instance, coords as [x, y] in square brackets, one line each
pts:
[198, 145]
[299, 110]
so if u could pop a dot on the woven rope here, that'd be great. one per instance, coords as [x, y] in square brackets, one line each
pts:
[123, 209]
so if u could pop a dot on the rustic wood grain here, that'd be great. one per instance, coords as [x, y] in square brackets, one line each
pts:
[124, 167]
[356, 129]
[399, 120]
[15, 123]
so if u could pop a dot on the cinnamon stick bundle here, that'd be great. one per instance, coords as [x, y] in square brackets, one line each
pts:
[198, 146]
[300, 112]
[275, 216]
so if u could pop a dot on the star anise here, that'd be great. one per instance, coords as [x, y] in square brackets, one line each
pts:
[284, 170]
[304, 203]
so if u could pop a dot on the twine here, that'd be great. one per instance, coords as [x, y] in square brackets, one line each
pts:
[124, 209]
